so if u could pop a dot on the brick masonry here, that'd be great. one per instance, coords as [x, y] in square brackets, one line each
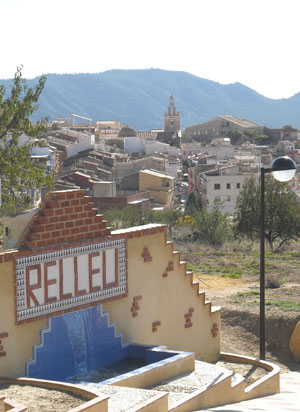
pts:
[2, 336]
[65, 217]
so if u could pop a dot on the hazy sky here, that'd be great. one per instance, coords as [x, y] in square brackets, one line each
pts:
[254, 42]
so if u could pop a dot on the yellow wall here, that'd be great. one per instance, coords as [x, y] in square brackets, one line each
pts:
[19, 343]
[155, 184]
[164, 299]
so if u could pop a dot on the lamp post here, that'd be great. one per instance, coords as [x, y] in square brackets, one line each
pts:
[283, 169]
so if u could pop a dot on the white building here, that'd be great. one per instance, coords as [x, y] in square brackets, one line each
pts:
[223, 185]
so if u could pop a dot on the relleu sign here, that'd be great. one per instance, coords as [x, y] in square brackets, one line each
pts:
[64, 280]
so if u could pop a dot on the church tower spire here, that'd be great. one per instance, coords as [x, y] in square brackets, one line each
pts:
[172, 118]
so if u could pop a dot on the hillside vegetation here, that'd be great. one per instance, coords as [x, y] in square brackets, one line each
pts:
[139, 98]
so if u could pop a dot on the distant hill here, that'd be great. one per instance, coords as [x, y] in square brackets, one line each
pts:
[139, 98]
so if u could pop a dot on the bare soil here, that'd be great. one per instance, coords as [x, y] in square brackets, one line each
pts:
[230, 279]
[40, 399]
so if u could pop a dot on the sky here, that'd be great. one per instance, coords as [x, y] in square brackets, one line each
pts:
[254, 42]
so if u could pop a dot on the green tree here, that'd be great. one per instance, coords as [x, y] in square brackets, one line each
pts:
[212, 227]
[282, 214]
[17, 171]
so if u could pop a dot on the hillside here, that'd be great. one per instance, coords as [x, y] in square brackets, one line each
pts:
[139, 98]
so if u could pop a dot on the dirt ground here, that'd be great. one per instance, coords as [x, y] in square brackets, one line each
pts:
[39, 399]
[240, 320]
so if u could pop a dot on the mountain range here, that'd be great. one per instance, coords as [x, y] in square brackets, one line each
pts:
[139, 98]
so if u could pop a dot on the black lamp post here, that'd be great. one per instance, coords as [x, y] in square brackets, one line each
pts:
[283, 169]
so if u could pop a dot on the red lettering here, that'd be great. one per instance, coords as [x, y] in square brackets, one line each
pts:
[30, 288]
[93, 272]
[77, 292]
[48, 282]
[61, 283]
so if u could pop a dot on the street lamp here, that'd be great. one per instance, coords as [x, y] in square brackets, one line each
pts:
[283, 169]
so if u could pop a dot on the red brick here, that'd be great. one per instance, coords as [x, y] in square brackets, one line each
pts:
[69, 224]
[1, 348]
[30, 245]
[75, 230]
[3, 335]
[154, 329]
[59, 226]
[148, 259]
[79, 194]
[54, 219]
[61, 240]
[69, 210]
[191, 309]
[70, 195]
[65, 232]
[2, 354]
[134, 314]
[55, 234]
[42, 220]
[80, 222]
[188, 325]
[82, 215]
[154, 324]
[84, 229]
[99, 233]
[137, 234]
[47, 212]
[93, 213]
[165, 275]
[74, 216]
[84, 200]
[70, 238]
[41, 243]
[88, 221]
[63, 218]
[188, 315]
[59, 212]
[66, 203]
[74, 202]
[49, 227]
[88, 207]
[46, 235]
[52, 204]
[78, 209]
[60, 196]
[136, 298]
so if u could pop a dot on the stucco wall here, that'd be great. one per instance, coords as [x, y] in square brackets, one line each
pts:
[18, 345]
[163, 299]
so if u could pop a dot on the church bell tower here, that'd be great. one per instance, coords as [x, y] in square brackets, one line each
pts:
[172, 118]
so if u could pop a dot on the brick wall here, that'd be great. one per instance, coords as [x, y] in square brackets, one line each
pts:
[65, 217]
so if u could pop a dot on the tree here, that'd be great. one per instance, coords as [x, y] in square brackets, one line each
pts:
[282, 214]
[212, 227]
[17, 171]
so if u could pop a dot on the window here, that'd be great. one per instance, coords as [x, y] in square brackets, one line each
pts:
[171, 123]
[228, 198]
[238, 185]
[217, 186]
[227, 185]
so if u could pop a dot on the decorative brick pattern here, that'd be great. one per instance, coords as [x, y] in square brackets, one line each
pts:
[2, 336]
[188, 318]
[135, 305]
[155, 326]
[214, 330]
[65, 217]
[170, 266]
[146, 255]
